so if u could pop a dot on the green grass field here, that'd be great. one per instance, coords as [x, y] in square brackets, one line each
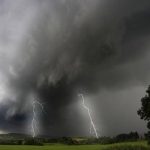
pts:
[121, 146]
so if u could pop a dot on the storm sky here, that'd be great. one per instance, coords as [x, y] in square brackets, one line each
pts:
[56, 49]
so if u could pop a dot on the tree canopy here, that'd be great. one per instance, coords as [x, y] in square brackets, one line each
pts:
[144, 111]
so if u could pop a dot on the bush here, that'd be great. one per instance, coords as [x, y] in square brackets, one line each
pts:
[67, 140]
[106, 140]
[31, 141]
[128, 147]
[148, 142]
[132, 136]
[11, 142]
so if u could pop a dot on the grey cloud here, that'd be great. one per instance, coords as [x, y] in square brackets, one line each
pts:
[57, 48]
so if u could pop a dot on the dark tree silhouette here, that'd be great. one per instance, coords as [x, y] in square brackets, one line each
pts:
[144, 111]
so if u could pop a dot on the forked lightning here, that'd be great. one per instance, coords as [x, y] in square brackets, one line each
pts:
[34, 123]
[89, 114]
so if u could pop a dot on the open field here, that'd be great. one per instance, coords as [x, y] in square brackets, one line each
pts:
[121, 146]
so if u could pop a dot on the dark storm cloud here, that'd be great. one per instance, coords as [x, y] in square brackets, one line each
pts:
[59, 48]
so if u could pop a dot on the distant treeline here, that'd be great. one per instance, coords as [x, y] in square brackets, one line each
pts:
[27, 141]
[133, 136]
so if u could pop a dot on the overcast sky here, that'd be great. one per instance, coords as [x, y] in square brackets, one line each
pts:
[55, 49]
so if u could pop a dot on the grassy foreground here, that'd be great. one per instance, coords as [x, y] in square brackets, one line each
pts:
[121, 146]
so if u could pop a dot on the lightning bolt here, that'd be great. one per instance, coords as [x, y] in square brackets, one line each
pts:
[89, 114]
[34, 123]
